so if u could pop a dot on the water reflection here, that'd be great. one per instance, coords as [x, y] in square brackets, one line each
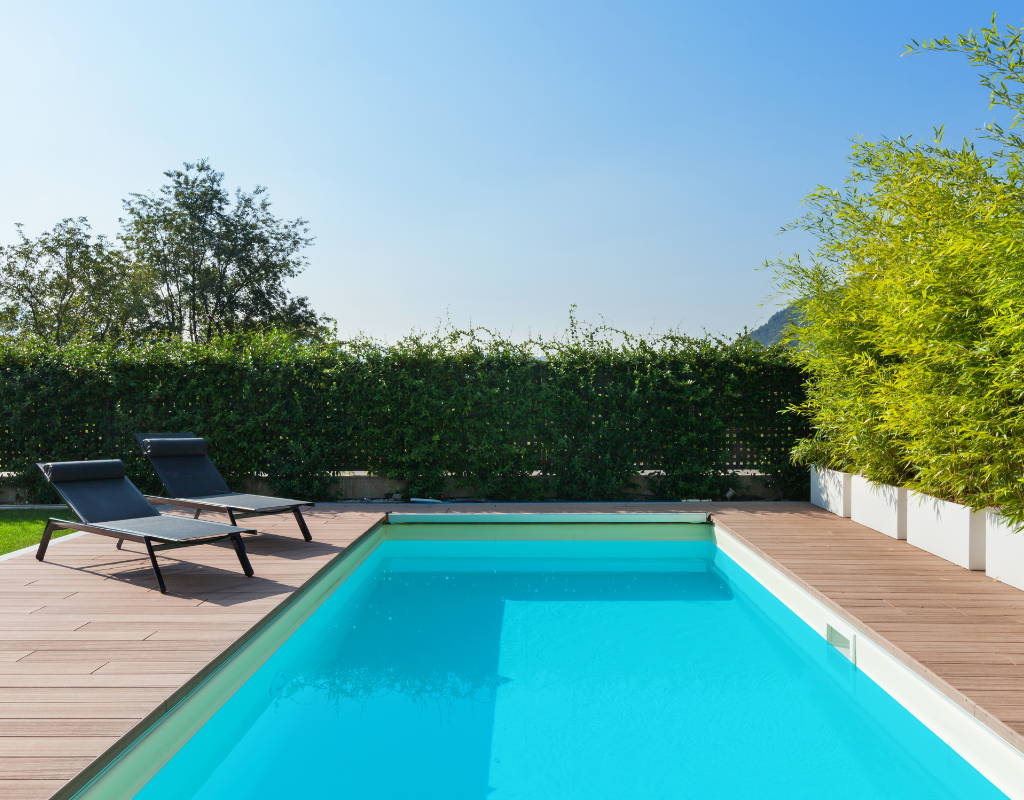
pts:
[363, 684]
[433, 637]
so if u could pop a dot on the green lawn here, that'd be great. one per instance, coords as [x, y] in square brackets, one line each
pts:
[21, 528]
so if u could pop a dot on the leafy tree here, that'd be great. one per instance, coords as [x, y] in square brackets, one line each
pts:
[219, 266]
[914, 304]
[65, 284]
[189, 262]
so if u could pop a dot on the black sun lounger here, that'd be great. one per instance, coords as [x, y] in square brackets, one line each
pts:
[192, 481]
[108, 503]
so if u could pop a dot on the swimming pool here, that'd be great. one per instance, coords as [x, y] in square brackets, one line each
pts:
[560, 661]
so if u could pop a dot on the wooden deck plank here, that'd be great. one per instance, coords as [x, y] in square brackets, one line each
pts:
[12, 622]
[135, 709]
[28, 790]
[148, 667]
[67, 727]
[44, 767]
[58, 693]
[62, 667]
[81, 646]
[76, 680]
[29, 638]
[165, 654]
[14, 747]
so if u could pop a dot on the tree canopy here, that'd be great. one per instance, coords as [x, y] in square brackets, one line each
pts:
[189, 261]
[65, 284]
[913, 302]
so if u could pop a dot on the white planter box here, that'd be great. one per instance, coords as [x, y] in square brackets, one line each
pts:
[1004, 551]
[830, 490]
[878, 506]
[949, 530]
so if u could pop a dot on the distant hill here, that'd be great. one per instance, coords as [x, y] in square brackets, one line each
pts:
[771, 331]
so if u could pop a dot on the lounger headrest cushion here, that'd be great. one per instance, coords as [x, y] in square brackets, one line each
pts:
[65, 471]
[174, 447]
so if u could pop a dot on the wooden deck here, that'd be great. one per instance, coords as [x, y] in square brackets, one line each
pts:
[88, 647]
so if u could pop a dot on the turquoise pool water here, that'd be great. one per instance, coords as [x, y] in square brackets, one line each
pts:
[500, 670]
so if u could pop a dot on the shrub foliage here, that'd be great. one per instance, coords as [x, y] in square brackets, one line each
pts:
[913, 305]
[587, 412]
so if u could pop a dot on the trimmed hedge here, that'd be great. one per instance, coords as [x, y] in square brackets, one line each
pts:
[586, 413]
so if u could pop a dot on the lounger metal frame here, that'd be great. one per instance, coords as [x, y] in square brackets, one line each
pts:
[54, 524]
[200, 506]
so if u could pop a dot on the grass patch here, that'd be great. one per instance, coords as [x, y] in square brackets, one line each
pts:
[23, 527]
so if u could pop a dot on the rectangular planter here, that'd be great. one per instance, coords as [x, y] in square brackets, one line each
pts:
[878, 506]
[949, 530]
[830, 490]
[1004, 551]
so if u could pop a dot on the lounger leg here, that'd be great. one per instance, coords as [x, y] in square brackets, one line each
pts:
[156, 568]
[302, 525]
[45, 541]
[243, 559]
[231, 516]
[119, 543]
[198, 512]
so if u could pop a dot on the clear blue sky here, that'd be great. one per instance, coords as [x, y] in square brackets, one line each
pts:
[491, 162]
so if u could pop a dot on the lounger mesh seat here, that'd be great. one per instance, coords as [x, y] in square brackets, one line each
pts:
[108, 503]
[182, 462]
[167, 527]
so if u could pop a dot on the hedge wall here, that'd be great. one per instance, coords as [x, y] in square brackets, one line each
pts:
[585, 412]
